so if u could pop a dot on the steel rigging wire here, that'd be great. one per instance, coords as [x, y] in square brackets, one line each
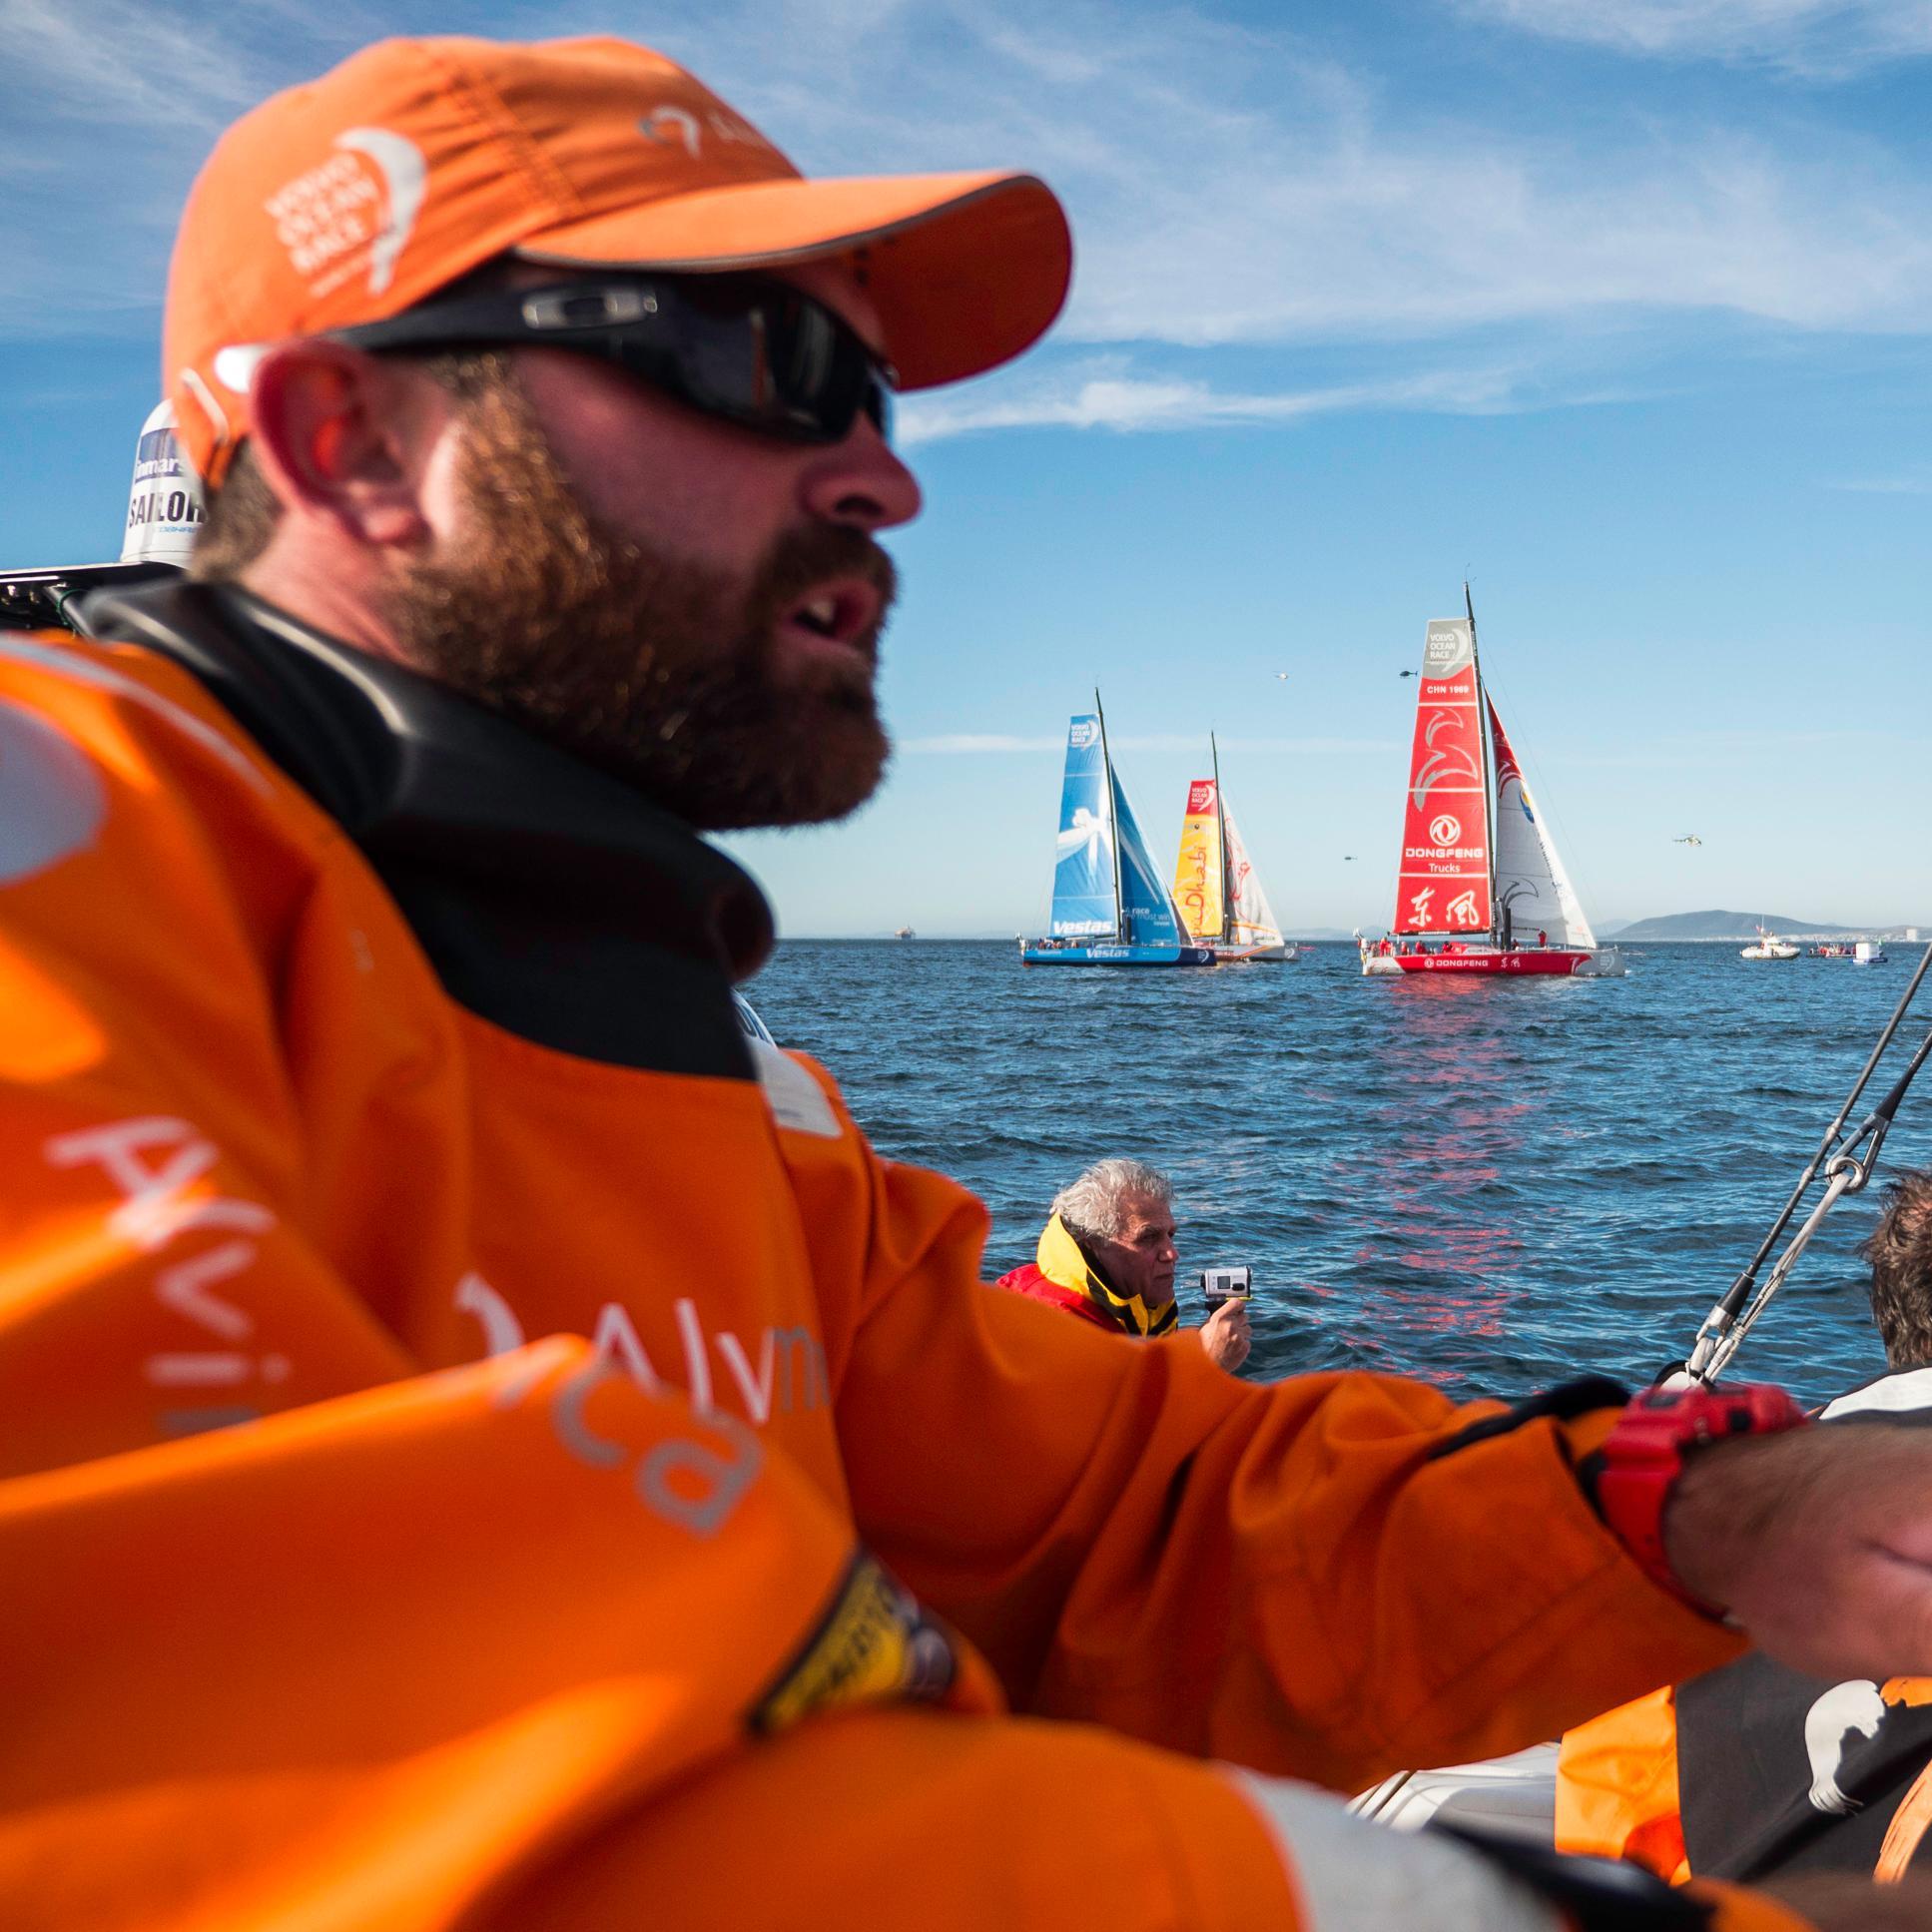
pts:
[1846, 1170]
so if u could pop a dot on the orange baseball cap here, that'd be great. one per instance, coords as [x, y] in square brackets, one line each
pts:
[359, 195]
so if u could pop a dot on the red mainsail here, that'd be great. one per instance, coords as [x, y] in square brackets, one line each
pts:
[1443, 883]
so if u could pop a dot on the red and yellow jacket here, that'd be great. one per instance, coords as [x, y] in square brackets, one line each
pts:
[1062, 1276]
[368, 1077]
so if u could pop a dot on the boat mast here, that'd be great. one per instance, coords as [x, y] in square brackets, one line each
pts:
[1121, 929]
[1221, 833]
[1482, 746]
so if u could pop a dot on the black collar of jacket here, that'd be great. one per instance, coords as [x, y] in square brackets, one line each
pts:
[552, 899]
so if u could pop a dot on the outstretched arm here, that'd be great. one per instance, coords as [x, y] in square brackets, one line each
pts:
[1334, 1577]
[1321, 1578]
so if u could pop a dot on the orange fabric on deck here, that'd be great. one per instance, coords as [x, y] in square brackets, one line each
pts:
[1616, 1788]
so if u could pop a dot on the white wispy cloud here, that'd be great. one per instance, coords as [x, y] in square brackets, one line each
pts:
[1705, 749]
[982, 744]
[974, 744]
[111, 107]
[1107, 395]
[1819, 39]
[1235, 186]
[1230, 186]
[120, 64]
[1908, 483]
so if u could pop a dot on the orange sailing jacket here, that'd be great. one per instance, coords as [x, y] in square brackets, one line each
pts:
[352, 1043]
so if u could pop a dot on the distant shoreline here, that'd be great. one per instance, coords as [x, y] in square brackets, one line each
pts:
[1889, 934]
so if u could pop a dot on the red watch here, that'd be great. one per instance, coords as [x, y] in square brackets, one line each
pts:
[1630, 1477]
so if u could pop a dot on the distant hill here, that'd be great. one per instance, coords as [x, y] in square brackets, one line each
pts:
[1730, 925]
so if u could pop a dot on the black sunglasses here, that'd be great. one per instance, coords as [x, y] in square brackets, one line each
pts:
[753, 352]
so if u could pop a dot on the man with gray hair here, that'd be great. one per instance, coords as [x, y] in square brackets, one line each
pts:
[1107, 1254]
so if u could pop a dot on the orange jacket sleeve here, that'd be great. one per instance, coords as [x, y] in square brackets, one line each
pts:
[1291, 1577]
[1617, 1786]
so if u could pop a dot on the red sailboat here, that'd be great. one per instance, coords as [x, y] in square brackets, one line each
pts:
[1480, 886]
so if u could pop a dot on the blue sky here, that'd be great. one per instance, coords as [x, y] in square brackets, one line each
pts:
[1621, 307]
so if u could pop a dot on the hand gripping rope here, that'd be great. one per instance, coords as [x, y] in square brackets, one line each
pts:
[1846, 1161]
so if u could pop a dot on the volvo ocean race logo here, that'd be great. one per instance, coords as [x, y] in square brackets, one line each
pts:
[1083, 733]
[1445, 830]
[1447, 650]
[359, 208]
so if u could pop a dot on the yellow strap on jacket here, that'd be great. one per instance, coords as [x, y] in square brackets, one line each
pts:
[431, 1638]
[1061, 1259]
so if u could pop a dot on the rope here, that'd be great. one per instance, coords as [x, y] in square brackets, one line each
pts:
[1846, 1171]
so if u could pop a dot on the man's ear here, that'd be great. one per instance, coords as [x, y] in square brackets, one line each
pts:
[334, 433]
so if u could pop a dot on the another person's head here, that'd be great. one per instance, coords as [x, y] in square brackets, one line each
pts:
[540, 369]
[1122, 1213]
[1900, 1251]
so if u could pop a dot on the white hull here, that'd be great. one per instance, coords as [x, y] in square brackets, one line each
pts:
[1513, 1796]
[1480, 958]
[1771, 949]
[1280, 954]
[1605, 963]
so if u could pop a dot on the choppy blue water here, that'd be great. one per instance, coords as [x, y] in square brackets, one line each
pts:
[1488, 1185]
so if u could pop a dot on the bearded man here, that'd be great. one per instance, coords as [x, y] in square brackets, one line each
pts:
[489, 1445]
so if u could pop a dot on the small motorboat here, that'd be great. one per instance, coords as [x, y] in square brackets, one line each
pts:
[1767, 945]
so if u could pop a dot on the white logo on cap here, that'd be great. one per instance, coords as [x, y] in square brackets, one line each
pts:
[329, 219]
[669, 123]
[404, 174]
[686, 126]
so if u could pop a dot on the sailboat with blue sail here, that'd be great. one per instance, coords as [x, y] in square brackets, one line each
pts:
[1111, 906]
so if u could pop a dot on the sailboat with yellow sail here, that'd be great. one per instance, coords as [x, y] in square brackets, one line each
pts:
[1219, 894]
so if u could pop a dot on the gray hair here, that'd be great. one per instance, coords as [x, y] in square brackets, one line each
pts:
[1093, 1204]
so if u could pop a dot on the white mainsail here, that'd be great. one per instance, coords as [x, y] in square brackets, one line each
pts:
[1529, 878]
[1251, 919]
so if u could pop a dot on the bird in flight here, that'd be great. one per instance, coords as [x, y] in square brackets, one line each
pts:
[1688, 839]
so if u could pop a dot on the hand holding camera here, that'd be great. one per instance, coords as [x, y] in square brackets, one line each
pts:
[1226, 1336]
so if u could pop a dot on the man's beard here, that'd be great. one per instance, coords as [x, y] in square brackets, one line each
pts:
[656, 670]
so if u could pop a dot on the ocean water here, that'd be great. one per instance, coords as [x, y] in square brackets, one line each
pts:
[1493, 1186]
